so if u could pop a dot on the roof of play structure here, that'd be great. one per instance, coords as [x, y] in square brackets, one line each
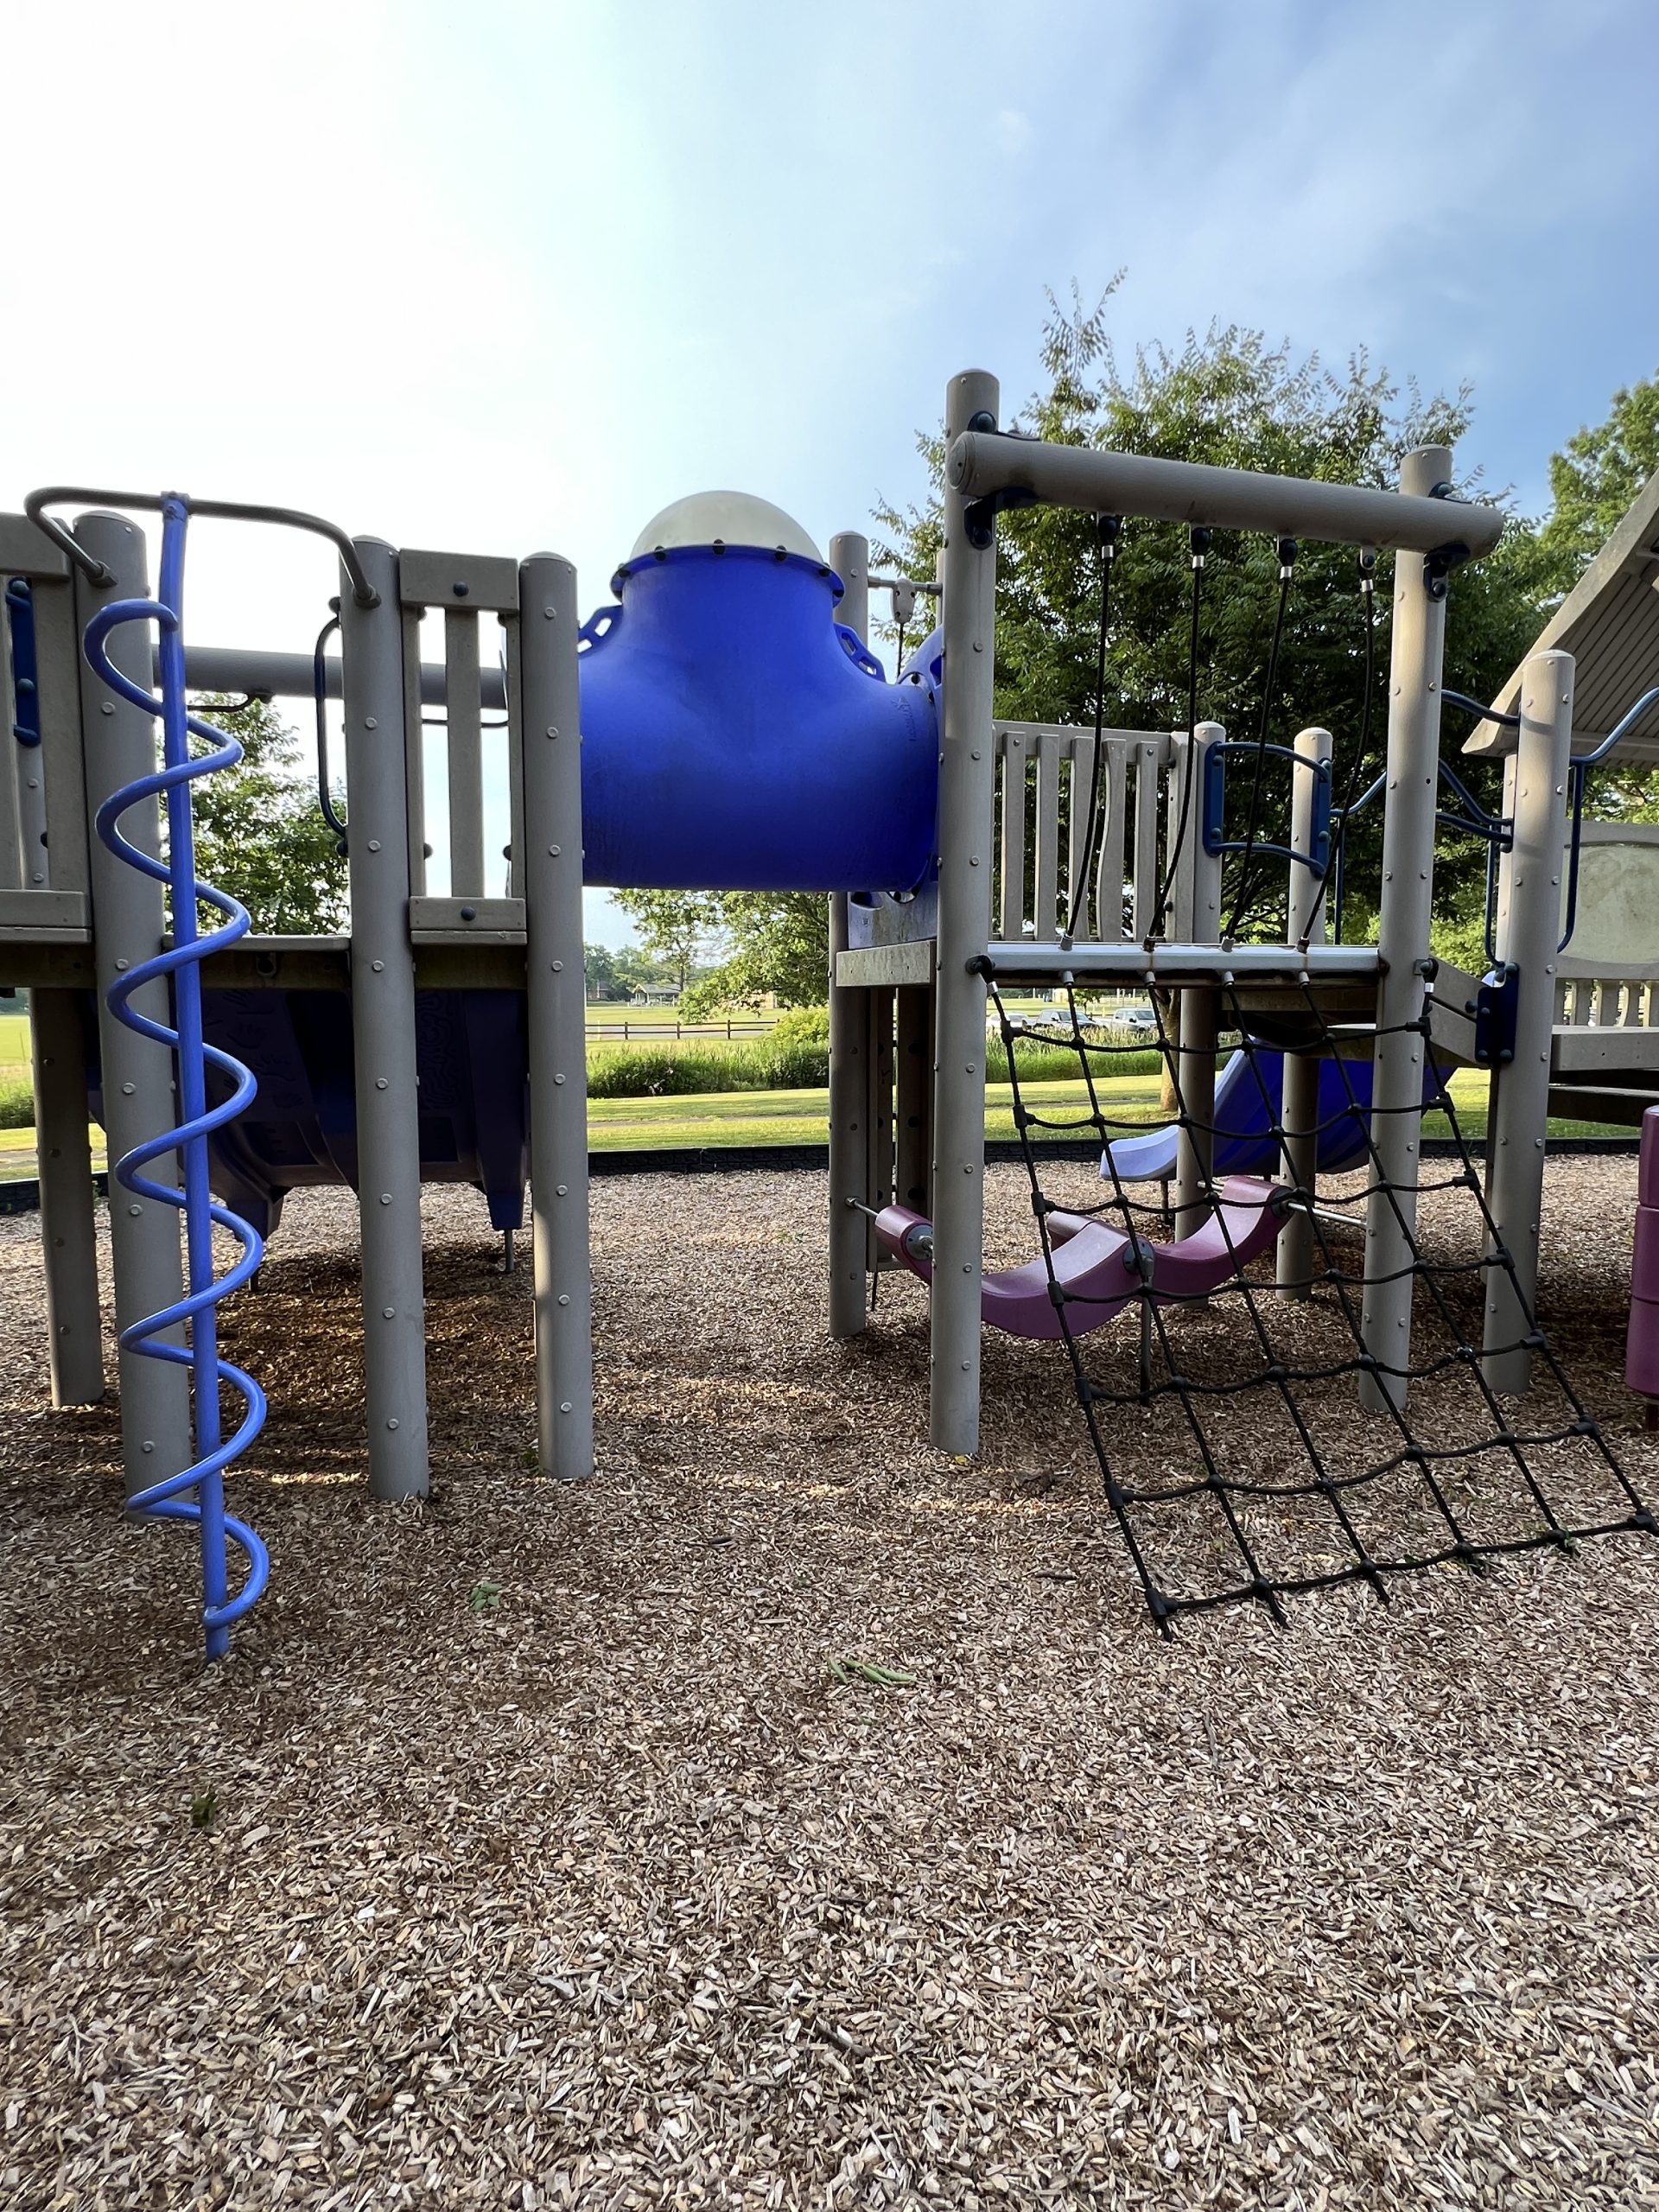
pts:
[1610, 624]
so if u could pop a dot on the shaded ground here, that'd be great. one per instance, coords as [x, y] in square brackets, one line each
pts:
[548, 1865]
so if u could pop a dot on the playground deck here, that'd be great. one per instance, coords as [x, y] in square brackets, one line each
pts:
[550, 1865]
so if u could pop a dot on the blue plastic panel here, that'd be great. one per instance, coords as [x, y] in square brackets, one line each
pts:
[735, 737]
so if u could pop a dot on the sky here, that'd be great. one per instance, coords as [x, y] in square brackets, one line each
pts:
[500, 278]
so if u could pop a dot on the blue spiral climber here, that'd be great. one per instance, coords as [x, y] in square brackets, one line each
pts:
[196, 1492]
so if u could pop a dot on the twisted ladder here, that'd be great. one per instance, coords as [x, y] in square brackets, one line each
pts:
[196, 1492]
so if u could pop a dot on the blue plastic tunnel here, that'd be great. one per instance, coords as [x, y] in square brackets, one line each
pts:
[734, 735]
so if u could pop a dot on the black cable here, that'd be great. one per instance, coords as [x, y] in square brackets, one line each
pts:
[1198, 538]
[1334, 859]
[1107, 529]
[1287, 550]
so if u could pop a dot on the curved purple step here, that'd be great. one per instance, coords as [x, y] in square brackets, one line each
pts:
[1099, 1267]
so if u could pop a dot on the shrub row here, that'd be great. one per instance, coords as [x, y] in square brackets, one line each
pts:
[16, 1102]
[775, 1063]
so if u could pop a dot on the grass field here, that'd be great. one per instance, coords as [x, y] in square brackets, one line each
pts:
[732, 1118]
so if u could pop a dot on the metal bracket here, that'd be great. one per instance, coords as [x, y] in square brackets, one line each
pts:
[1495, 1007]
[979, 516]
[486, 581]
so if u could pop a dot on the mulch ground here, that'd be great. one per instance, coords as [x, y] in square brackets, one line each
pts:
[542, 1846]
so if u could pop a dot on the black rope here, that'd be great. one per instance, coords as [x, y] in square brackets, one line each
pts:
[1362, 751]
[1236, 1502]
[1107, 529]
[1199, 539]
[1286, 550]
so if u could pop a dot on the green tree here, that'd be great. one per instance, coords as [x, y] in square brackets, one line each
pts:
[1231, 398]
[777, 942]
[678, 926]
[259, 833]
[598, 967]
[1593, 481]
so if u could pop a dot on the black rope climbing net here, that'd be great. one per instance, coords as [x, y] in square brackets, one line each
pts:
[1250, 1445]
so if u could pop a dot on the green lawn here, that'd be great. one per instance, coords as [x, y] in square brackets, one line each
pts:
[14, 1045]
[743, 1117]
[785, 1118]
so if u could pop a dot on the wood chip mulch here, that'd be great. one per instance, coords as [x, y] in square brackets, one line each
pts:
[790, 1816]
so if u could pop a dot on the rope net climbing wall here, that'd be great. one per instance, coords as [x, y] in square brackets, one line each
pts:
[1233, 1447]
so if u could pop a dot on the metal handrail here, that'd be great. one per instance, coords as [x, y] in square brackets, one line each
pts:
[35, 503]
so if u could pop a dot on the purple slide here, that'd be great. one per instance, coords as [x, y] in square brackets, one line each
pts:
[1099, 1267]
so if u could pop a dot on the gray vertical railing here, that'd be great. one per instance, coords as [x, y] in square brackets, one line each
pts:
[1150, 754]
[414, 755]
[55, 818]
[1299, 1095]
[1103, 914]
[1045, 786]
[1014, 757]
[464, 752]
[383, 1025]
[1045, 913]
[12, 857]
[967, 775]
[1413, 771]
[549, 726]
[1520, 1090]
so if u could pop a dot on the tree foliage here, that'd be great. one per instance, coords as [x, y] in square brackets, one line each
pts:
[677, 925]
[776, 942]
[1593, 481]
[259, 834]
[1230, 399]
[767, 943]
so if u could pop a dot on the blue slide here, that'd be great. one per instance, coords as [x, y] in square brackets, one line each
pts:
[1247, 1107]
[472, 1054]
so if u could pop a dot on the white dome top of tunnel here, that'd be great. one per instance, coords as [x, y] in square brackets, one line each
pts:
[731, 518]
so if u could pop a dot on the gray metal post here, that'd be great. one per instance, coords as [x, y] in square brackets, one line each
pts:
[967, 789]
[850, 1041]
[1411, 793]
[68, 1237]
[550, 722]
[1299, 1098]
[1532, 925]
[383, 1030]
[119, 744]
[1198, 1009]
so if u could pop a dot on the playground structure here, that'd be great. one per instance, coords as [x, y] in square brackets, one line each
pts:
[723, 725]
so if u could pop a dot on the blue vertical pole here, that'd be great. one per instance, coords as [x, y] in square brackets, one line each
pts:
[192, 1076]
